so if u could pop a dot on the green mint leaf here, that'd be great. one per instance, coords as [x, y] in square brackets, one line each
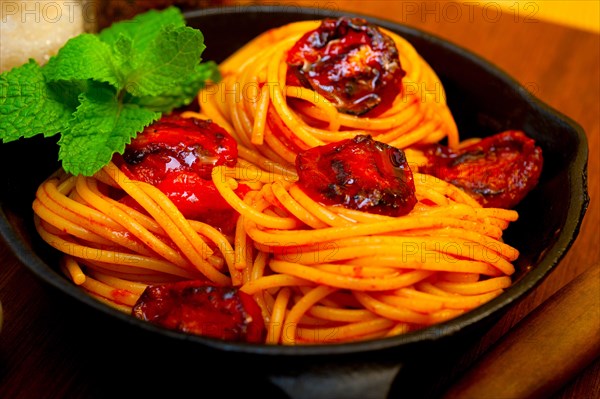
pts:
[68, 92]
[83, 57]
[100, 127]
[28, 106]
[143, 28]
[183, 94]
[168, 61]
[101, 90]
[122, 52]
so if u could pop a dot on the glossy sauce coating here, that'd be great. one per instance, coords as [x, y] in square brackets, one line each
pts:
[197, 307]
[175, 144]
[177, 156]
[358, 173]
[350, 62]
[498, 171]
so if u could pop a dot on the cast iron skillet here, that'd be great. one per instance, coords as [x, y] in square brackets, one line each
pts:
[484, 101]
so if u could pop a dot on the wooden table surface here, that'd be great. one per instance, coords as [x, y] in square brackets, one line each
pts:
[42, 355]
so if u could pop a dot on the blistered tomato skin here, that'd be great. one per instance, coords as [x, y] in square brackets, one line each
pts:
[174, 143]
[498, 171]
[350, 62]
[358, 173]
[177, 156]
[197, 307]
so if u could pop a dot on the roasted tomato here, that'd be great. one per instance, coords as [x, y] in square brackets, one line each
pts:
[350, 62]
[497, 171]
[196, 307]
[177, 156]
[179, 144]
[358, 173]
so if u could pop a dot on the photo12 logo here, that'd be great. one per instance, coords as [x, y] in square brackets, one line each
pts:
[49, 12]
[471, 11]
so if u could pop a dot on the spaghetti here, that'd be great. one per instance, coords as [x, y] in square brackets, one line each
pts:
[330, 275]
[318, 273]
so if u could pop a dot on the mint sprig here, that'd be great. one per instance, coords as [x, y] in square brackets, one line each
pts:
[101, 90]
